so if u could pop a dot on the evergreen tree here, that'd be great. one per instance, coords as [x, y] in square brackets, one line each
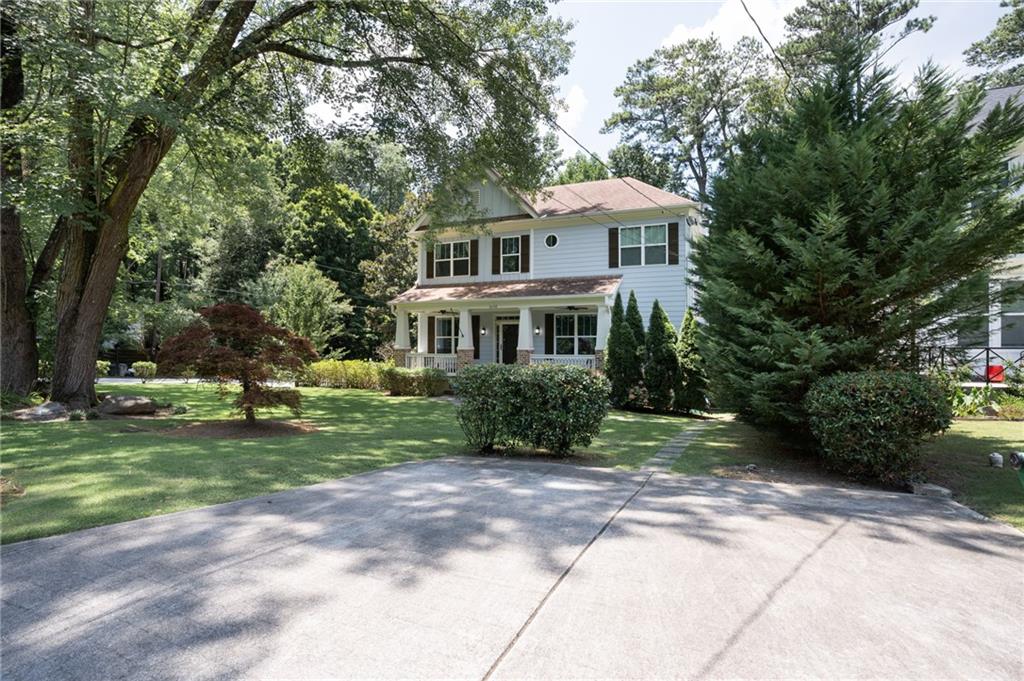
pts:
[620, 364]
[635, 321]
[691, 386]
[661, 368]
[852, 232]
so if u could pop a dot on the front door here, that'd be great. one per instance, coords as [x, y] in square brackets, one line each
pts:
[509, 341]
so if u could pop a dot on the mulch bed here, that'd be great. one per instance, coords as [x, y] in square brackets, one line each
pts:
[237, 429]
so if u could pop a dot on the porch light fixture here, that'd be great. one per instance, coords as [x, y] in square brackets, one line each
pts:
[483, 331]
[536, 331]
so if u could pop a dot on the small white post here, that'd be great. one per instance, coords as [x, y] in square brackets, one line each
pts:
[421, 332]
[604, 324]
[525, 329]
[401, 329]
[465, 330]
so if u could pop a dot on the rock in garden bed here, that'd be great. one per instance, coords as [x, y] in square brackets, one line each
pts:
[128, 405]
[47, 411]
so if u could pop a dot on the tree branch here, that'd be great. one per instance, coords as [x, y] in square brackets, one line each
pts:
[298, 53]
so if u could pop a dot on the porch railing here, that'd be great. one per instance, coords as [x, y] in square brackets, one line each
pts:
[432, 360]
[585, 361]
[978, 364]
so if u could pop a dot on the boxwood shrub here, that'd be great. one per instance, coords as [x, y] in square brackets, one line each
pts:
[424, 382]
[144, 370]
[557, 408]
[872, 423]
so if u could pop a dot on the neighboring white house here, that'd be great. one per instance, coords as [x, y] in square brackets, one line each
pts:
[538, 285]
[997, 339]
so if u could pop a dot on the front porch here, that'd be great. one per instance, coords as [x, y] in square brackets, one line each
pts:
[450, 338]
[546, 321]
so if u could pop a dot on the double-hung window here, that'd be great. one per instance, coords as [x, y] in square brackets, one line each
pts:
[575, 334]
[510, 254]
[646, 245]
[445, 333]
[1012, 316]
[451, 259]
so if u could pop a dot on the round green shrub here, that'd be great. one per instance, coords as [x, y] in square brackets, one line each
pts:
[557, 408]
[144, 370]
[871, 424]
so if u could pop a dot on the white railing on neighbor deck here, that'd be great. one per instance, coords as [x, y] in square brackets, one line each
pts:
[432, 360]
[585, 361]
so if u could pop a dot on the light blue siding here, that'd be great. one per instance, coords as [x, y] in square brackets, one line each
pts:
[582, 250]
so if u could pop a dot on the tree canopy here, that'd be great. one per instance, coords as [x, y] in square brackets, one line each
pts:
[581, 168]
[1001, 52]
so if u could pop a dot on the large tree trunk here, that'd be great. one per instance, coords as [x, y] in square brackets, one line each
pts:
[92, 258]
[19, 357]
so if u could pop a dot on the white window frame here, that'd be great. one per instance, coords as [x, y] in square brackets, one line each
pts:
[518, 254]
[644, 244]
[552, 235]
[451, 259]
[454, 337]
[1005, 316]
[575, 334]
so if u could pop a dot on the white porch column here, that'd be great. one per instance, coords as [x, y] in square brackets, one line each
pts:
[465, 330]
[422, 333]
[525, 330]
[401, 329]
[604, 324]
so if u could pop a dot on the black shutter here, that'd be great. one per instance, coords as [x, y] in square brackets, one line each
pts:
[549, 334]
[613, 247]
[496, 255]
[474, 257]
[476, 336]
[430, 262]
[431, 341]
[673, 243]
[524, 253]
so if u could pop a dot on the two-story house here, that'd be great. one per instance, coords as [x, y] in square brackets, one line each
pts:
[538, 285]
[996, 339]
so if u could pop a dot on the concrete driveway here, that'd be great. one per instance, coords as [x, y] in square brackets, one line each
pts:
[478, 569]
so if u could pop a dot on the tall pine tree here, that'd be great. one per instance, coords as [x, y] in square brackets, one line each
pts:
[852, 232]
[691, 386]
[661, 367]
[621, 364]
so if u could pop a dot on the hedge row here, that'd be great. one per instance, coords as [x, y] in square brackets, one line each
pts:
[347, 373]
[557, 408]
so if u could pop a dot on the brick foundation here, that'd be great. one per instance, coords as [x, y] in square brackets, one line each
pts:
[523, 356]
[401, 357]
[463, 359]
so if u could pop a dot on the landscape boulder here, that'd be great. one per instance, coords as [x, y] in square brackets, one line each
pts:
[47, 411]
[127, 405]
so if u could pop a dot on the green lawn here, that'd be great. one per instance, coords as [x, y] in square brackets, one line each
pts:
[957, 460]
[87, 473]
[727, 445]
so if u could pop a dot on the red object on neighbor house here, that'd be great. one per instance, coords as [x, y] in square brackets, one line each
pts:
[995, 373]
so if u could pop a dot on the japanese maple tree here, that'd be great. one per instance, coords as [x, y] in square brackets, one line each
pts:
[234, 343]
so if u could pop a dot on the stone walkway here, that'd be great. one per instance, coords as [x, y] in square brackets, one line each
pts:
[670, 453]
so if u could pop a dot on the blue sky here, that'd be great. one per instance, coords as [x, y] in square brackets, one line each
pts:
[610, 35]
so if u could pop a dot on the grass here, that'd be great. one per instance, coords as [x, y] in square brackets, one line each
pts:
[726, 445]
[87, 473]
[959, 460]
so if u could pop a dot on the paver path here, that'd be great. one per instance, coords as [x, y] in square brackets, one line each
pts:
[674, 448]
[470, 568]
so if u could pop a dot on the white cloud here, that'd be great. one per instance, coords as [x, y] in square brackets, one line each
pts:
[574, 104]
[731, 23]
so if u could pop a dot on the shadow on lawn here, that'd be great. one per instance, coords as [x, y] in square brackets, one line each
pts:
[218, 590]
